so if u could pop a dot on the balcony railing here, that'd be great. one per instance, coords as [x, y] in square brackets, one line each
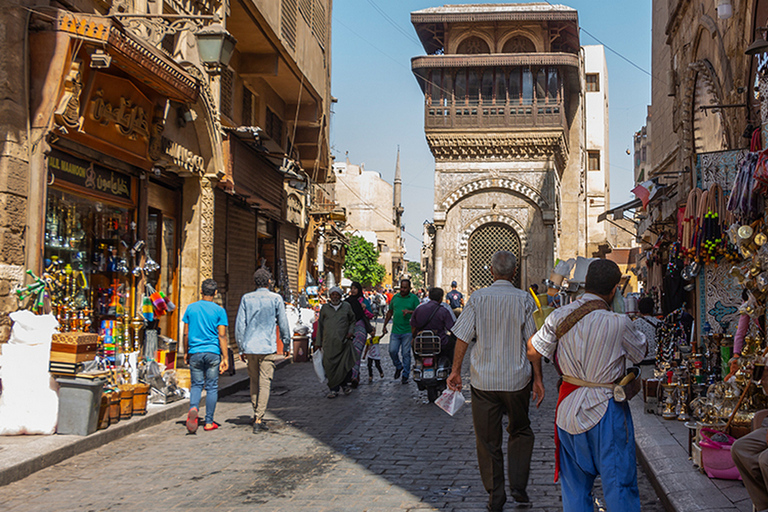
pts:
[501, 117]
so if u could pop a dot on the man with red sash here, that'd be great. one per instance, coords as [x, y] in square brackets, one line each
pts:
[594, 434]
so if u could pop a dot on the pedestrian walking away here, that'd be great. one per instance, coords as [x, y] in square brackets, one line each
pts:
[594, 434]
[647, 324]
[455, 299]
[500, 319]
[401, 307]
[335, 331]
[261, 312]
[363, 327]
[204, 344]
[432, 316]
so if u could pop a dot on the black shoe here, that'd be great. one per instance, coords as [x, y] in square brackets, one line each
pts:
[496, 508]
[521, 500]
[398, 373]
[355, 383]
[260, 427]
[404, 380]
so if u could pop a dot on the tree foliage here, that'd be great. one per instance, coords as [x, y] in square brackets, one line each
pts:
[361, 262]
[414, 269]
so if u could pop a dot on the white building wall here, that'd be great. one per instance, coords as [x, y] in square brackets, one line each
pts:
[596, 117]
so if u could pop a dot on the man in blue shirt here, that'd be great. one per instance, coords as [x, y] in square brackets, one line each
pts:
[260, 313]
[205, 345]
[455, 299]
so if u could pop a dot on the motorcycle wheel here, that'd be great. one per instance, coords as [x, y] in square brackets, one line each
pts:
[432, 394]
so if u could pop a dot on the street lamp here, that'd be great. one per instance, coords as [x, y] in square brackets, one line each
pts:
[215, 46]
[760, 45]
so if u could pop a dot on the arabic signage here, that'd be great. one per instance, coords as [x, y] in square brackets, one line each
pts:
[89, 176]
[119, 115]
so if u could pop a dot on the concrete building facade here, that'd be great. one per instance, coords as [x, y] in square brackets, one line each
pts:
[372, 206]
[506, 120]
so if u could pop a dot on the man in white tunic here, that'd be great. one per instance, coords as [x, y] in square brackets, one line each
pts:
[591, 346]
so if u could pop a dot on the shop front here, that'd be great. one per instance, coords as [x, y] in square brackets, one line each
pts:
[124, 233]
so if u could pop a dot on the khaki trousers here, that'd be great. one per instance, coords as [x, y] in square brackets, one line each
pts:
[261, 368]
[750, 453]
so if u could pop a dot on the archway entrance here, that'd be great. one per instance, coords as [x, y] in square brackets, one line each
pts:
[484, 241]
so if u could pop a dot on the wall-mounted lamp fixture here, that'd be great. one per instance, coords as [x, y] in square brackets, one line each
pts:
[100, 59]
[759, 45]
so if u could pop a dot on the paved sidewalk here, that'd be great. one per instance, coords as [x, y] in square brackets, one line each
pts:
[21, 456]
[663, 451]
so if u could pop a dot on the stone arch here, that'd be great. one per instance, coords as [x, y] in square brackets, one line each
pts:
[487, 219]
[481, 40]
[518, 44]
[533, 37]
[494, 183]
[702, 82]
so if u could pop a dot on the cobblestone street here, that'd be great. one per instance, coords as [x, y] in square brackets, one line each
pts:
[380, 449]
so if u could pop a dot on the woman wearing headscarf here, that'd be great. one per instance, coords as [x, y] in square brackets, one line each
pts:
[335, 330]
[362, 327]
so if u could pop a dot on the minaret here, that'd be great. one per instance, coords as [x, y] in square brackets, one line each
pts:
[397, 203]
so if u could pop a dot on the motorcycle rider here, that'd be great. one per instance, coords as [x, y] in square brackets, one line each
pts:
[439, 323]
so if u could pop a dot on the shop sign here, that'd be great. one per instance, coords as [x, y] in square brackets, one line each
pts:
[119, 114]
[295, 211]
[89, 176]
[184, 158]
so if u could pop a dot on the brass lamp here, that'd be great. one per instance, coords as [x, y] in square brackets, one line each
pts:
[759, 45]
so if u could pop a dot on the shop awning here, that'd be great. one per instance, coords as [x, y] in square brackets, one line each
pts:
[617, 213]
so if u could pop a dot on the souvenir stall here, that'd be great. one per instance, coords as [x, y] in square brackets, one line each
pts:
[710, 363]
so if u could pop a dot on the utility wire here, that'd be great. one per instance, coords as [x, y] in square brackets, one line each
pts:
[373, 207]
[392, 22]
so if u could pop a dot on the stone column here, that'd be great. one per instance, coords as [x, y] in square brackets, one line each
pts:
[438, 258]
[206, 227]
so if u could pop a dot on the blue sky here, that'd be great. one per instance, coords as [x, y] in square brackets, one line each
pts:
[381, 106]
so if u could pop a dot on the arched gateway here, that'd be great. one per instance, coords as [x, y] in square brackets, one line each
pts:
[483, 242]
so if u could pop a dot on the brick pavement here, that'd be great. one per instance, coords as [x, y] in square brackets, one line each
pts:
[380, 449]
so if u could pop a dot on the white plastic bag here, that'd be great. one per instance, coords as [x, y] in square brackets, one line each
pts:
[450, 401]
[317, 360]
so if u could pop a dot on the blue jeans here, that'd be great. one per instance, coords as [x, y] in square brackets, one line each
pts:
[204, 370]
[401, 343]
[608, 450]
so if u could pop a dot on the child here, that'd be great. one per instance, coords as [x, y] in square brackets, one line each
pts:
[372, 351]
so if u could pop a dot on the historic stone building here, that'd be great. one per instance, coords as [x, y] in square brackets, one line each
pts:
[115, 129]
[373, 207]
[505, 118]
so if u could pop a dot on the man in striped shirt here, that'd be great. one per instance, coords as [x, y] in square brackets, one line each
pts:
[596, 435]
[497, 320]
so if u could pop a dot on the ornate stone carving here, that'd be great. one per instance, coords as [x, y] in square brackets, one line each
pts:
[206, 228]
[485, 219]
[213, 117]
[494, 183]
[68, 111]
[508, 146]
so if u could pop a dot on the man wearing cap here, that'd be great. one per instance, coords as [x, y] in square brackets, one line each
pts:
[455, 299]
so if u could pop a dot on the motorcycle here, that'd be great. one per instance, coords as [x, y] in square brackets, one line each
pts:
[432, 366]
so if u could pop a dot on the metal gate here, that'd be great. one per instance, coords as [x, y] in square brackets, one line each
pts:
[484, 241]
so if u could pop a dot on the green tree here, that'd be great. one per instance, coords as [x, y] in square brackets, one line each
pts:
[361, 262]
[414, 269]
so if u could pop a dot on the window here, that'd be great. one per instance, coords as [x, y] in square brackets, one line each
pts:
[247, 107]
[593, 160]
[593, 82]
[472, 46]
[274, 127]
[518, 44]
[486, 88]
[227, 87]
[435, 90]
[288, 22]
